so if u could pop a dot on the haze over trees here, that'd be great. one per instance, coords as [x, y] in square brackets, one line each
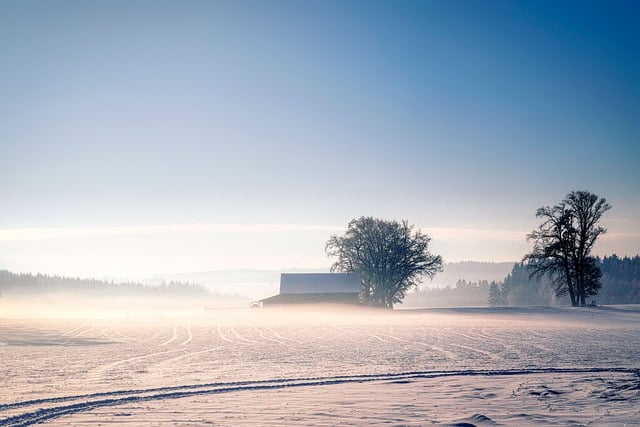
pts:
[390, 256]
[620, 284]
[462, 294]
[26, 285]
[496, 297]
[563, 244]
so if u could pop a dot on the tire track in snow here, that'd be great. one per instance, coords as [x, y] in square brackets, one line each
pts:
[374, 336]
[154, 337]
[475, 347]
[342, 331]
[498, 344]
[77, 334]
[65, 337]
[471, 350]
[239, 337]
[446, 353]
[111, 335]
[99, 371]
[266, 338]
[73, 331]
[173, 337]
[172, 360]
[279, 336]
[189, 336]
[224, 337]
[42, 410]
[84, 331]
[359, 333]
[126, 338]
[393, 337]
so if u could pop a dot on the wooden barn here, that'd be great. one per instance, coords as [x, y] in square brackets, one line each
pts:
[317, 288]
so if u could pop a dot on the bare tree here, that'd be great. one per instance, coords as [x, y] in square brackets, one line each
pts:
[563, 244]
[390, 257]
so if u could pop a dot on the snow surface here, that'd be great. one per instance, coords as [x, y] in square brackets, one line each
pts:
[510, 366]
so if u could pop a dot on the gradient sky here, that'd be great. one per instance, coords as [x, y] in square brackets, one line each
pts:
[141, 137]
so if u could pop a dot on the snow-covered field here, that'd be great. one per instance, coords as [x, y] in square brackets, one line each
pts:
[511, 366]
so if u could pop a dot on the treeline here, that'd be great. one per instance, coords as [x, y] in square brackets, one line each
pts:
[463, 294]
[12, 284]
[620, 285]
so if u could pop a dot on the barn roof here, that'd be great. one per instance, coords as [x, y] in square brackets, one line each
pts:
[319, 283]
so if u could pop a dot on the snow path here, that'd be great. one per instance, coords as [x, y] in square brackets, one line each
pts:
[189, 337]
[101, 370]
[240, 337]
[88, 402]
[173, 337]
[264, 337]
[280, 337]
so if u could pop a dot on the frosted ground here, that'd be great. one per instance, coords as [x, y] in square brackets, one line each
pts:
[512, 366]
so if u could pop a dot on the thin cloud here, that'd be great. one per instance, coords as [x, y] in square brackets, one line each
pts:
[445, 233]
[19, 234]
[620, 236]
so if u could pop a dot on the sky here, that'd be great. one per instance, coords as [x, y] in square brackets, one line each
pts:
[141, 137]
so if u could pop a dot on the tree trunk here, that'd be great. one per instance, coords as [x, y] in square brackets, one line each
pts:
[572, 294]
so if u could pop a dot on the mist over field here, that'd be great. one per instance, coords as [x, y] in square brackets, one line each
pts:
[233, 287]
[262, 283]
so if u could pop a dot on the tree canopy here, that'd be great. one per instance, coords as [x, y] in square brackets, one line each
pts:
[563, 244]
[390, 256]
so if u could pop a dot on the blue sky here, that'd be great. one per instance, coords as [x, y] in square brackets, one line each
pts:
[140, 136]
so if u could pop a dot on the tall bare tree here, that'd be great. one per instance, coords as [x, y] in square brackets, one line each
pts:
[390, 257]
[563, 244]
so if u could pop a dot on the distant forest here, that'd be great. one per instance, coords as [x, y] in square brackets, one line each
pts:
[620, 285]
[17, 285]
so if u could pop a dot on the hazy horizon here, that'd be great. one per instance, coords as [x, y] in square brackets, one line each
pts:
[144, 252]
